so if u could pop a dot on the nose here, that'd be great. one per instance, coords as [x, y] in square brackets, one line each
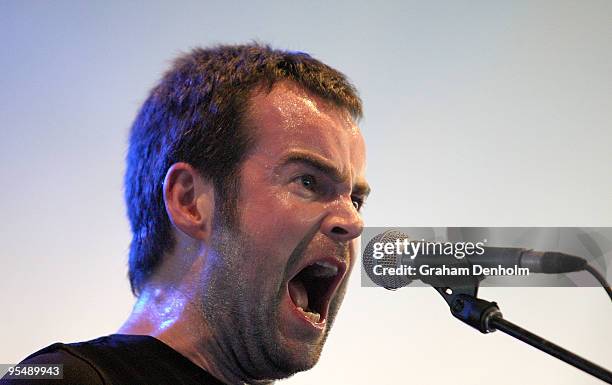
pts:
[343, 222]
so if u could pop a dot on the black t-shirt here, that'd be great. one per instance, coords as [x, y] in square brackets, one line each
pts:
[118, 359]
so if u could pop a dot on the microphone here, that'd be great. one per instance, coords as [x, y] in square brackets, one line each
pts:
[404, 260]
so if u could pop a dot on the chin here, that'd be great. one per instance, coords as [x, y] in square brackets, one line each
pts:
[299, 356]
[298, 362]
[295, 357]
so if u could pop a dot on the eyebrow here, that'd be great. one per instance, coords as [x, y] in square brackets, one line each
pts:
[323, 165]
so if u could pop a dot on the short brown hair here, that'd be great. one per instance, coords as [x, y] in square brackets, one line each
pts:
[195, 115]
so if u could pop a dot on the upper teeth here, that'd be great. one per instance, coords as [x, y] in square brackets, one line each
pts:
[325, 269]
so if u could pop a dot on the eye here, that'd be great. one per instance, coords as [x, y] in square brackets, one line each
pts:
[308, 186]
[358, 203]
[308, 181]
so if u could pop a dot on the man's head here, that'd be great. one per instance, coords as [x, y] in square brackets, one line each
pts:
[255, 156]
[196, 115]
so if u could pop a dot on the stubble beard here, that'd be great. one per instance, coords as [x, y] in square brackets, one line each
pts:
[242, 312]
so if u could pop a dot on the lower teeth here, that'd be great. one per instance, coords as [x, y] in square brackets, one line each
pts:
[314, 317]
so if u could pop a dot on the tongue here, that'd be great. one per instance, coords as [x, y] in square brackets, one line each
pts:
[298, 294]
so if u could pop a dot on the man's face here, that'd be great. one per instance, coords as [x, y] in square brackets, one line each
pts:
[278, 278]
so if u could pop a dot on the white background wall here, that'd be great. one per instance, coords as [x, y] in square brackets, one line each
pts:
[478, 113]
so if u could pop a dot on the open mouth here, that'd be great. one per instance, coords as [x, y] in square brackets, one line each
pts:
[312, 288]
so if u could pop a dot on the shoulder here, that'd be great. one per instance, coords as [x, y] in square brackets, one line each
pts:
[76, 369]
[118, 359]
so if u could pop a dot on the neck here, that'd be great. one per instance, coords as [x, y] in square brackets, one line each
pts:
[174, 318]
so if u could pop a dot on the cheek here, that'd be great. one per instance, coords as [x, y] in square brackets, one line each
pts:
[354, 250]
[280, 221]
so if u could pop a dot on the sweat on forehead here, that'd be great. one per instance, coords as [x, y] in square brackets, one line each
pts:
[294, 107]
[292, 126]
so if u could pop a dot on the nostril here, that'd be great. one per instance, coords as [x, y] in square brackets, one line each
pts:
[339, 230]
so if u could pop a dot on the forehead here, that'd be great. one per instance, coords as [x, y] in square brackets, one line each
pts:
[291, 117]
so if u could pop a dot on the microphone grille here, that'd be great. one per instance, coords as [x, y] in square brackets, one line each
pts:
[393, 260]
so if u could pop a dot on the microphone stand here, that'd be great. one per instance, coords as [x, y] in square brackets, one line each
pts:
[486, 317]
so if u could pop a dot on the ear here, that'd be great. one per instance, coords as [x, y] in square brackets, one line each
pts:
[189, 200]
